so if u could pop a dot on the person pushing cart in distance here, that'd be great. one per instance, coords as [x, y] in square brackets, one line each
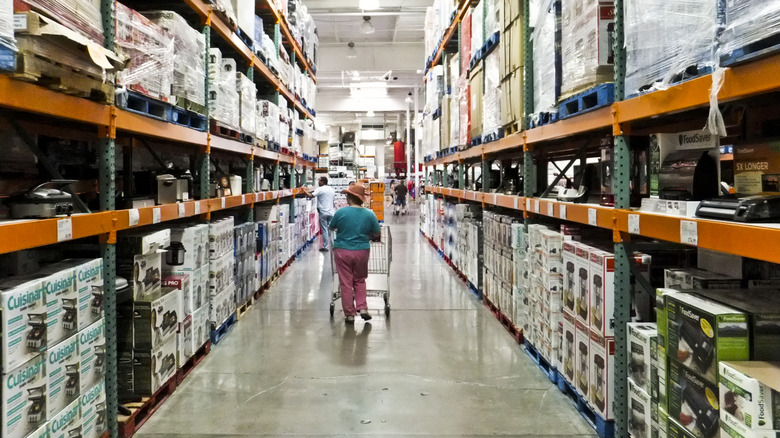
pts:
[326, 197]
[400, 198]
[355, 228]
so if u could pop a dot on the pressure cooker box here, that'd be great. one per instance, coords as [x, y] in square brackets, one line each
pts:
[189, 248]
[702, 333]
[24, 398]
[62, 367]
[640, 353]
[750, 393]
[693, 401]
[24, 321]
[602, 364]
[156, 318]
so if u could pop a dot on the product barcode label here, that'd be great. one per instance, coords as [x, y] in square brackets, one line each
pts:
[562, 211]
[64, 229]
[689, 232]
[551, 209]
[593, 218]
[156, 215]
[633, 224]
[182, 209]
[133, 216]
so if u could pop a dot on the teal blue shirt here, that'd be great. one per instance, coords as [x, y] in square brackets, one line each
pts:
[354, 226]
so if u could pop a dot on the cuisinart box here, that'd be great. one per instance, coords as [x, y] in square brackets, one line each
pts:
[24, 321]
[59, 282]
[67, 422]
[750, 393]
[156, 319]
[702, 333]
[693, 401]
[89, 281]
[602, 365]
[640, 353]
[151, 369]
[42, 432]
[92, 349]
[24, 399]
[640, 420]
[93, 411]
[62, 367]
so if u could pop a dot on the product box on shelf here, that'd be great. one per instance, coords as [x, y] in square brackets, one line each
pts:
[676, 430]
[67, 422]
[24, 398]
[143, 273]
[582, 339]
[24, 321]
[582, 273]
[152, 368]
[750, 393]
[586, 47]
[156, 319]
[93, 411]
[602, 365]
[222, 305]
[201, 327]
[476, 88]
[185, 345]
[92, 349]
[702, 333]
[42, 432]
[59, 282]
[89, 281]
[693, 401]
[569, 346]
[570, 278]
[136, 242]
[640, 353]
[640, 421]
[193, 240]
[221, 273]
[731, 427]
[183, 283]
[697, 279]
[62, 368]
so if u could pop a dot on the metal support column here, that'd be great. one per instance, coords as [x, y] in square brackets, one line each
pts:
[250, 186]
[204, 161]
[486, 164]
[275, 184]
[528, 70]
[461, 176]
[622, 313]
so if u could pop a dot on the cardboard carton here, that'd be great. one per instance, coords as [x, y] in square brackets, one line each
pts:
[92, 349]
[62, 368]
[59, 282]
[194, 241]
[640, 422]
[156, 319]
[143, 273]
[182, 282]
[89, 281]
[750, 393]
[693, 401]
[24, 321]
[569, 347]
[93, 411]
[641, 350]
[24, 399]
[602, 365]
[153, 368]
[582, 376]
[139, 242]
[582, 279]
[732, 427]
[570, 279]
[67, 422]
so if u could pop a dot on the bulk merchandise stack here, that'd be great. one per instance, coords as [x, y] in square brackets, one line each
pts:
[222, 263]
[245, 247]
[499, 259]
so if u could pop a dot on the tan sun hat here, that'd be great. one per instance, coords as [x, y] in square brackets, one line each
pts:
[356, 190]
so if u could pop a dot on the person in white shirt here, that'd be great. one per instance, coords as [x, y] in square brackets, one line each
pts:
[326, 197]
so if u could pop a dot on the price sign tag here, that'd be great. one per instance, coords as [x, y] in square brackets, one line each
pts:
[551, 209]
[133, 216]
[673, 207]
[633, 224]
[64, 229]
[257, 197]
[156, 216]
[517, 202]
[689, 232]
[593, 217]
[243, 199]
[197, 207]
[528, 204]
[562, 211]
[182, 210]
[223, 202]
[536, 205]
[495, 199]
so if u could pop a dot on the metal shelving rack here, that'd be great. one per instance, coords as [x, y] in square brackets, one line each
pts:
[109, 121]
[743, 81]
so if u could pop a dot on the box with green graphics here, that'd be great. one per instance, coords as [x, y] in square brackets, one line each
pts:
[750, 393]
[693, 402]
[730, 427]
[702, 332]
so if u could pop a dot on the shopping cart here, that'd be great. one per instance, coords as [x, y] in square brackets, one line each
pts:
[378, 281]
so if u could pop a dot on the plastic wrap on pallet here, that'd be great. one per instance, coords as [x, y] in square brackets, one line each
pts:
[434, 88]
[544, 65]
[270, 53]
[79, 15]
[492, 16]
[189, 66]
[664, 40]
[7, 24]
[586, 46]
[477, 27]
[245, 15]
[270, 114]
[491, 98]
[261, 127]
[748, 22]
[465, 45]
[247, 92]
[464, 109]
[225, 7]
[150, 50]
[223, 96]
[455, 121]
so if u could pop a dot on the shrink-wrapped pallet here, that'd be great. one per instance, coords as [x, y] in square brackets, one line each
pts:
[223, 96]
[751, 26]
[247, 95]
[668, 41]
[150, 50]
[477, 27]
[546, 71]
[79, 15]
[587, 28]
[7, 24]
[463, 109]
[261, 128]
[491, 97]
[189, 64]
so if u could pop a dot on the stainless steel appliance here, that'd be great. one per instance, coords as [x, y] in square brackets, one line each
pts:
[45, 200]
[688, 175]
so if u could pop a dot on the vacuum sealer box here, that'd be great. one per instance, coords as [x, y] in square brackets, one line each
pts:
[153, 368]
[640, 421]
[702, 332]
[156, 319]
[750, 394]
[730, 426]
[24, 398]
[23, 303]
[757, 168]
[675, 430]
[582, 350]
[569, 347]
[93, 411]
[92, 348]
[693, 402]
[59, 282]
[640, 353]
[62, 367]
[67, 422]
[602, 364]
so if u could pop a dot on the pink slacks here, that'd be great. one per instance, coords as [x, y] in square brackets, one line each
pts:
[352, 267]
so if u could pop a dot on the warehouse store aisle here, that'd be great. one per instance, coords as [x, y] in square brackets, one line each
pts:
[442, 365]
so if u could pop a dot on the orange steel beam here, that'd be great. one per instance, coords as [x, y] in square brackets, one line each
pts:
[23, 96]
[462, 8]
[138, 124]
[591, 121]
[226, 144]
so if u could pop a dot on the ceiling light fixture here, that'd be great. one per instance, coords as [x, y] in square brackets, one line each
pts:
[367, 28]
[369, 5]
[408, 98]
[370, 113]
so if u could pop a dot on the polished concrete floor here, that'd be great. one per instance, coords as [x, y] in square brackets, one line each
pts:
[441, 365]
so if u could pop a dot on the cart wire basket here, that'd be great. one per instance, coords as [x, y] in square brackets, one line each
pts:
[378, 281]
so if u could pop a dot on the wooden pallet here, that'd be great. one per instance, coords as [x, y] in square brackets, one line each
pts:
[192, 362]
[512, 128]
[222, 130]
[140, 103]
[220, 332]
[31, 67]
[143, 410]
[241, 311]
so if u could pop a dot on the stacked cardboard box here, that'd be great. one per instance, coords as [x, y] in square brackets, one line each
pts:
[245, 267]
[586, 44]
[221, 270]
[498, 256]
[512, 60]
[223, 98]
[247, 103]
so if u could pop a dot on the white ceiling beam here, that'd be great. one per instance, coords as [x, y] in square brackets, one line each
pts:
[395, 28]
[382, 57]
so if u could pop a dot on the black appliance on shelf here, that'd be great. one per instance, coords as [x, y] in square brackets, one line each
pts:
[706, 417]
[688, 176]
[756, 208]
[700, 344]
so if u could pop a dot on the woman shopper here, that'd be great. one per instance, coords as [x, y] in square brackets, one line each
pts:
[355, 227]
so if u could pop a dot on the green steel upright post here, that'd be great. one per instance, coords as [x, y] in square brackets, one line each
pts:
[462, 176]
[204, 163]
[275, 185]
[486, 164]
[528, 101]
[622, 313]
[250, 186]
[107, 182]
